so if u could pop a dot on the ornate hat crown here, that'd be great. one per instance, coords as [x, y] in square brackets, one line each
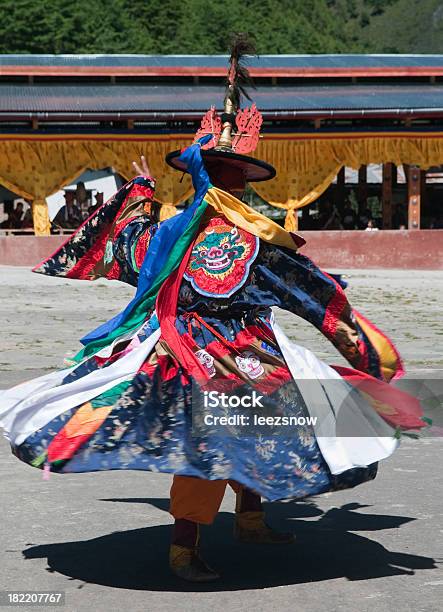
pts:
[236, 130]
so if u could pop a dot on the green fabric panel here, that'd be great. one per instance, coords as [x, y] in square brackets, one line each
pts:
[109, 397]
[38, 461]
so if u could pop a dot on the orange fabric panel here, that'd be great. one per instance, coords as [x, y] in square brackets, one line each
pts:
[198, 500]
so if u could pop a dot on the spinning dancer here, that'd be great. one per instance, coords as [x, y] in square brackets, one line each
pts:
[201, 319]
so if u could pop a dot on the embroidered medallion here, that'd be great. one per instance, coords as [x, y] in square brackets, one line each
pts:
[221, 259]
[248, 363]
[207, 361]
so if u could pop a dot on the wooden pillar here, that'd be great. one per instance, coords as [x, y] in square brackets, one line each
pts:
[423, 190]
[387, 196]
[340, 191]
[414, 197]
[362, 189]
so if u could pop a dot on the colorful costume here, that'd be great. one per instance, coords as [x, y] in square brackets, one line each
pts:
[201, 317]
[125, 403]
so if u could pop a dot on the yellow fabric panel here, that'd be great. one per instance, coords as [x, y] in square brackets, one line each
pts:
[247, 218]
[37, 166]
[291, 220]
[167, 211]
[172, 186]
[306, 164]
[301, 167]
[35, 170]
[389, 358]
[40, 217]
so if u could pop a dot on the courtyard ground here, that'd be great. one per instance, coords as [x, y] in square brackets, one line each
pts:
[103, 538]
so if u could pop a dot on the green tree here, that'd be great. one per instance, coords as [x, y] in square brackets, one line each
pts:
[166, 26]
[204, 26]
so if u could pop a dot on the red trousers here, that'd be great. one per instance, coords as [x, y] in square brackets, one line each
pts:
[198, 500]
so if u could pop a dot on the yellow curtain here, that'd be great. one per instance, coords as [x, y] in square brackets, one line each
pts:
[34, 167]
[307, 163]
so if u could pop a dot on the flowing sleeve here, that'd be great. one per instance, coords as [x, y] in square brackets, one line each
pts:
[299, 286]
[112, 242]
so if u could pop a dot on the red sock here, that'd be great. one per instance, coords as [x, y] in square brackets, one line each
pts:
[247, 501]
[185, 533]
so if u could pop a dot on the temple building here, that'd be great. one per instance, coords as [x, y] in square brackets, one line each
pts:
[345, 132]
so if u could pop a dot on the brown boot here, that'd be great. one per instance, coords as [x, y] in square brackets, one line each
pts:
[184, 556]
[250, 526]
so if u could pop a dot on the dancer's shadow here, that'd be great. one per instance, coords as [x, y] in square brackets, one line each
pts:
[325, 549]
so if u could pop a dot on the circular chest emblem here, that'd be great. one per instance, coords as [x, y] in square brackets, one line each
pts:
[221, 258]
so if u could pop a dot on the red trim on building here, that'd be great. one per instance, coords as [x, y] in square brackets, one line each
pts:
[213, 71]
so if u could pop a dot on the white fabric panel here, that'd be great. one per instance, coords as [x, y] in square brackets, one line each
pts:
[11, 397]
[29, 407]
[327, 397]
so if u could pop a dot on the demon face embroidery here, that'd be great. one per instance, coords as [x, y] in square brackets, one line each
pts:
[248, 363]
[217, 252]
[221, 258]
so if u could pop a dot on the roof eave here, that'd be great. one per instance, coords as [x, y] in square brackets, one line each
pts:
[269, 115]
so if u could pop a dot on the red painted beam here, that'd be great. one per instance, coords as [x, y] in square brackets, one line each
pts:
[211, 71]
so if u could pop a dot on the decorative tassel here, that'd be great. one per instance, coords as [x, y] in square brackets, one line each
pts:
[46, 471]
[238, 77]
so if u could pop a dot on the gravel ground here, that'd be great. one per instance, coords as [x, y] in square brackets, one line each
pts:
[103, 538]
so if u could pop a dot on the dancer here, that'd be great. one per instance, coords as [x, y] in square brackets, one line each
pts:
[201, 321]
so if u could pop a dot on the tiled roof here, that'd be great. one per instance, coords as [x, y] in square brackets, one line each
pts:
[182, 99]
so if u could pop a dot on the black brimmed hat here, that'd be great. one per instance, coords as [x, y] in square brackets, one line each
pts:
[253, 169]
